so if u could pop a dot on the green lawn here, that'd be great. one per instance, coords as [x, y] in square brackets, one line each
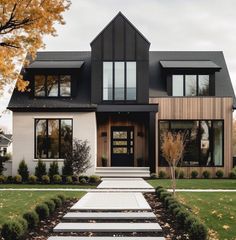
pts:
[217, 210]
[45, 186]
[15, 203]
[196, 183]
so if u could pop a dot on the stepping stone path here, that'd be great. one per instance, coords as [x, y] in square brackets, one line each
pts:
[112, 215]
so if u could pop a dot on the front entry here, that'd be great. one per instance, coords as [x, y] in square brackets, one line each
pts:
[122, 146]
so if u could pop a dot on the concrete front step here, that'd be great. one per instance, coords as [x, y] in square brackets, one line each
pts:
[123, 168]
[109, 215]
[107, 227]
[106, 238]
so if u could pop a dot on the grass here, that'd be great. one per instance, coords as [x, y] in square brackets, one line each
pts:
[196, 183]
[14, 204]
[46, 186]
[217, 210]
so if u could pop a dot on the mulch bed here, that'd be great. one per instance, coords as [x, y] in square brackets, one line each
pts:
[165, 219]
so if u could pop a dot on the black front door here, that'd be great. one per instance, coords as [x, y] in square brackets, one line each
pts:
[122, 146]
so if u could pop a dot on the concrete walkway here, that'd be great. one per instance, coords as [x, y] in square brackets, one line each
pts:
[112, 213]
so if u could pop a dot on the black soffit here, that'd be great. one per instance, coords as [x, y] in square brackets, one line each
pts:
[56, 64]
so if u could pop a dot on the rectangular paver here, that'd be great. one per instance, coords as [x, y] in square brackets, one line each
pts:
[108, 201]
[109, 215]
[107, 227]
[106, 238]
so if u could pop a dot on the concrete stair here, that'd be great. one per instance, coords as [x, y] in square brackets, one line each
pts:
[106, 238]
[126, 172]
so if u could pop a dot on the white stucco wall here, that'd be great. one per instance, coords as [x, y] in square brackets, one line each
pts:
[84, 128]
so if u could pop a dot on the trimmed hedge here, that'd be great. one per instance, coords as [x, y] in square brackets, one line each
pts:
[57, 201]
[42, 211]
[185, 219]
[51, 206]
[32, 219]
[13, 229]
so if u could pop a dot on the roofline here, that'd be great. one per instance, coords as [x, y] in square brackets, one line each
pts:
[120, 14]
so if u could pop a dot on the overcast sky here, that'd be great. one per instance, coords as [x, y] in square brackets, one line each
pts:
[167, 24]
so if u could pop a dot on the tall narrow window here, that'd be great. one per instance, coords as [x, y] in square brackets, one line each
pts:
[177, 85]
[218, 143]
[53, 138]
[41, 138]
[52, 86]
[205, 148]
[39, 85]
[203, 85]
[65, 85]
[119, 81]
[107, 81]
[131, 80]
[190, 85]
[66, 136]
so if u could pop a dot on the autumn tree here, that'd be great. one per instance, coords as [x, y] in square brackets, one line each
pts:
[172, 147]
[23, 23]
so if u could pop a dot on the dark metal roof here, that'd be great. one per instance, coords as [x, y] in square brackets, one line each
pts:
[56, 64]
[190, 64]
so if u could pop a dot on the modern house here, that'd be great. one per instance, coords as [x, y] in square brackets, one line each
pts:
[121, 97]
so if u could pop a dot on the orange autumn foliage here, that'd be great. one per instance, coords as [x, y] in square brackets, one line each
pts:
[23, 23]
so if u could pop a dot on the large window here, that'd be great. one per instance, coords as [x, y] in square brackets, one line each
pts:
[119, 81]
[190, 85]
[52, 85]
[52, 137]
[204, 141]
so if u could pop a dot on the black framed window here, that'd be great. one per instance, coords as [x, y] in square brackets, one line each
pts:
[190, 85]
[119, 81]
[204, 141]
[52, 137]
[52, 85]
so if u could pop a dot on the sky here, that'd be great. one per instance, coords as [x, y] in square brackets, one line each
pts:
[172, 25]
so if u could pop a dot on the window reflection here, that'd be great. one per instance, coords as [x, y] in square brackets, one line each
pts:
[177, 85]
[66, 136]
[65, 85]
[52, 86]
[107, 81]
[39, 85]
[203, 85]
[119, 81]
[190, 85]
[131, 80]
[41, 141]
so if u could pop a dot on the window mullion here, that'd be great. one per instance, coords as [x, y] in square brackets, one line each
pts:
[59, 140]
[47, 139]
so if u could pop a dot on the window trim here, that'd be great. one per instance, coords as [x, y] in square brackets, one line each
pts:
[197, 84]
[58, 85]
[211, 139]
[35, 136]
[125, 83]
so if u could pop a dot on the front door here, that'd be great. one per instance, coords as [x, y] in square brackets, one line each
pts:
[122, 146]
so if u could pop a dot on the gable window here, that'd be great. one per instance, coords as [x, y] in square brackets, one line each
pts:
[190, 85]
[52, 85]
[203, 141]
[52, 137]
[119, 81]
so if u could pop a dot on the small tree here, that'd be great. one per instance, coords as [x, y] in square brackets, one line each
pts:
[67, 169]
[23, 170]
[172, 147]
[53, 169]
[78, 157]
[40, 170]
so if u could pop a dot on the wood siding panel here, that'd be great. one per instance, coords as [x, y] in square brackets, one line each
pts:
[197, 108]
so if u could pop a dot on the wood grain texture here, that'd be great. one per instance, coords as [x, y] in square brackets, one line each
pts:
[197, 108]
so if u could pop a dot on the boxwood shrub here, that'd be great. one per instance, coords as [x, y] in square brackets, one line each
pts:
[206, 174]
[12, 229]
[51, 205]
[32, 219]
[57, 201]
[2, 179]
[32, 179]
[198, 231]
[194, 174]
[94, 179]
[62, 197]
[84, 177]
[45, 179]
[219, 174]
[57, 179]
[42, 211]
[18, 179]
[69, 180]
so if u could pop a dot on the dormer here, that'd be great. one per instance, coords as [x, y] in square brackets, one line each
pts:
[120, 64]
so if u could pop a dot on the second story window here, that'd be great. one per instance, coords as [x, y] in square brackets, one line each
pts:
[119, 81]
[52, 85]
[190, 85]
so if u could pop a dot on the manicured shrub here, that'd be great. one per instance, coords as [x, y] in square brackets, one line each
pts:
[53, 169]
[69, 180]
[94, 179]
[45, 179]
[51, 205]
[23, 171]
[163, 195]
[42, 211]
[75, 179]
[32, 179]
[198, 231]
[188, 222]
[2, 179]
[168, 200]
[32, 219]
[181, 174]
[9, 179]
[57, 201]
[206, 174]
[84, 177]
[18, 179]
[232, 173]
[40, 170]
[62, 197]
[162, 174]
[172, 206]
[219, 174]
[57, 179]
[159, 191]
[154, 176]
[176, 210]
[24, 224]
[83, 181]
[181, 216]
[12, 230]
[194, 174]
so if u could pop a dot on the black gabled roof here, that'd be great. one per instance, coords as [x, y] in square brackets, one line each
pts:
[127, 20]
